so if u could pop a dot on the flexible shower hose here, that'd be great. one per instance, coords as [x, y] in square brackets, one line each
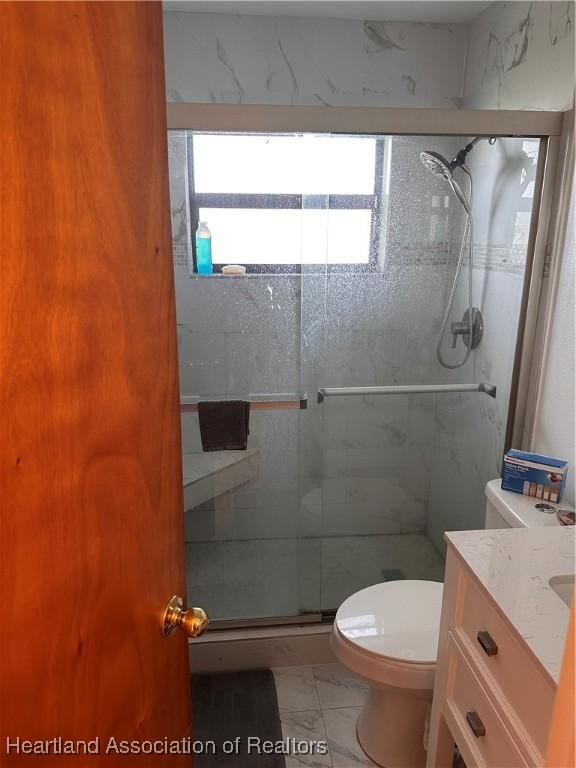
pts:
[468, 235]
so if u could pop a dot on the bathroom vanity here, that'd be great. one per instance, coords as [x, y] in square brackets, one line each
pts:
[504, 622]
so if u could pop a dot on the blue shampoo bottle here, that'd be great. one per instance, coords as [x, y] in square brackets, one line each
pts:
[203, 249]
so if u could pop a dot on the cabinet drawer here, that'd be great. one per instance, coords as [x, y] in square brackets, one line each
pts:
[504, 661]
[480, 733]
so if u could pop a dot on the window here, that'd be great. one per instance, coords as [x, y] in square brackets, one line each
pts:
[276, 203]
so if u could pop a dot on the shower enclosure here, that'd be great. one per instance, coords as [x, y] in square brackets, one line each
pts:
[364, 449]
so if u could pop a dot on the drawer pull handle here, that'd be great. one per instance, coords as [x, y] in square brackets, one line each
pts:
[475, 723]
[487, 642]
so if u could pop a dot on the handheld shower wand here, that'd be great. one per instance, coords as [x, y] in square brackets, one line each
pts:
[471, 326]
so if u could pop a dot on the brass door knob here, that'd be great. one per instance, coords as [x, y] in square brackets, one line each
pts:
[193, 622]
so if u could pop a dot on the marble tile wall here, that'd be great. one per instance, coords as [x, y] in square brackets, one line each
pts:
[515, 55]
[372, 335]
[469, 429]
[521, 56]
[179, 198]
[237, 59]
[238, 336]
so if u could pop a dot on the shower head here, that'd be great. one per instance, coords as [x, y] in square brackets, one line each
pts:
[440, 167]
[436, 163]
[443, 168]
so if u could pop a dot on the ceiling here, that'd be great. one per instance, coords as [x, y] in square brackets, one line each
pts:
[434, 11]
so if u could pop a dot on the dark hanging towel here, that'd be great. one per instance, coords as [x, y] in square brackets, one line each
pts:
[224, 425]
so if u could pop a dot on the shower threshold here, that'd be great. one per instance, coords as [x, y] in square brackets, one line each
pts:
[304, 619]
[265, 646]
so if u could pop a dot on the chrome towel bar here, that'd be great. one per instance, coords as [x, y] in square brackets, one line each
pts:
[411, 389]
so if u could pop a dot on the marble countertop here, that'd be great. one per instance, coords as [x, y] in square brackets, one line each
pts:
[514, 566]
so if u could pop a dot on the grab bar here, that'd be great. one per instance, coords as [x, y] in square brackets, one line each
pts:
[281, 402]
[411, 389]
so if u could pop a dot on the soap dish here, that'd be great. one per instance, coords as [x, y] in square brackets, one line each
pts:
[565, 517]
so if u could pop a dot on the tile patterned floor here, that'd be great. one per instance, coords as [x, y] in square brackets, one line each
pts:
[322, 703]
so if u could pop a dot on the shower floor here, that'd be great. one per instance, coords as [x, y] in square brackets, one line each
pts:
[288, 577]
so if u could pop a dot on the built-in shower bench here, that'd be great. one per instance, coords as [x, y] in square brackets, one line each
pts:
[208, 475]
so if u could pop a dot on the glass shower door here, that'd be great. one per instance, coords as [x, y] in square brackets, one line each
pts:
[252, 535]
[351, 248]
[401, 468]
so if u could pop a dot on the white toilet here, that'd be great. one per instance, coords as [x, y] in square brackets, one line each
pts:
[388, 635]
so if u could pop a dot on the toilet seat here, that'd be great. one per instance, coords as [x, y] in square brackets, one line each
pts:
[388, 633]
[397, 619]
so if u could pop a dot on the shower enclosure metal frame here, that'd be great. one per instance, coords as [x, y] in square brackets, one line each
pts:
[548, 127]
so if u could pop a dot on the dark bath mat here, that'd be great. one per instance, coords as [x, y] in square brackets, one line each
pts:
[229, 705]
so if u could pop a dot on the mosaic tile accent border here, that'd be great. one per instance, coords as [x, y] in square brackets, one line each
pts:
[501, 258]
[179, 254]
[417, 253]
[496, 258]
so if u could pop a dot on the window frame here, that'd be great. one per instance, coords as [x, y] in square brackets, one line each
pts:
[264, 201]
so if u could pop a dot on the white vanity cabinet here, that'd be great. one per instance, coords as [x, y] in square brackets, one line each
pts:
[499, 650]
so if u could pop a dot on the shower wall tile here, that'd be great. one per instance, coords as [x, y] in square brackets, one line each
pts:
[504, 175]
[244, 579]
[457, 498]
[349, 564]
[238, 336]
[469, 430]
[276, 435]
[515, 55]
[521, 56]
[396, 512]
[415, 190]
[226, 519]
[239, 59]
[179, 198]
[232, 304]
[265, 361]
[363, 424]
[202, 362]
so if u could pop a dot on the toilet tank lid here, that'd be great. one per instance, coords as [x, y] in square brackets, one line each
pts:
[521, 511]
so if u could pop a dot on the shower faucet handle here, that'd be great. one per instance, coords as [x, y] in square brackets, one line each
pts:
[458, 328]
[462, 328]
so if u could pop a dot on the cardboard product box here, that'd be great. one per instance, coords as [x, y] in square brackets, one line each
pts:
[534, 475]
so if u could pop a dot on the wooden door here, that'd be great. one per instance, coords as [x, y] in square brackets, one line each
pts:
[91, 530]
